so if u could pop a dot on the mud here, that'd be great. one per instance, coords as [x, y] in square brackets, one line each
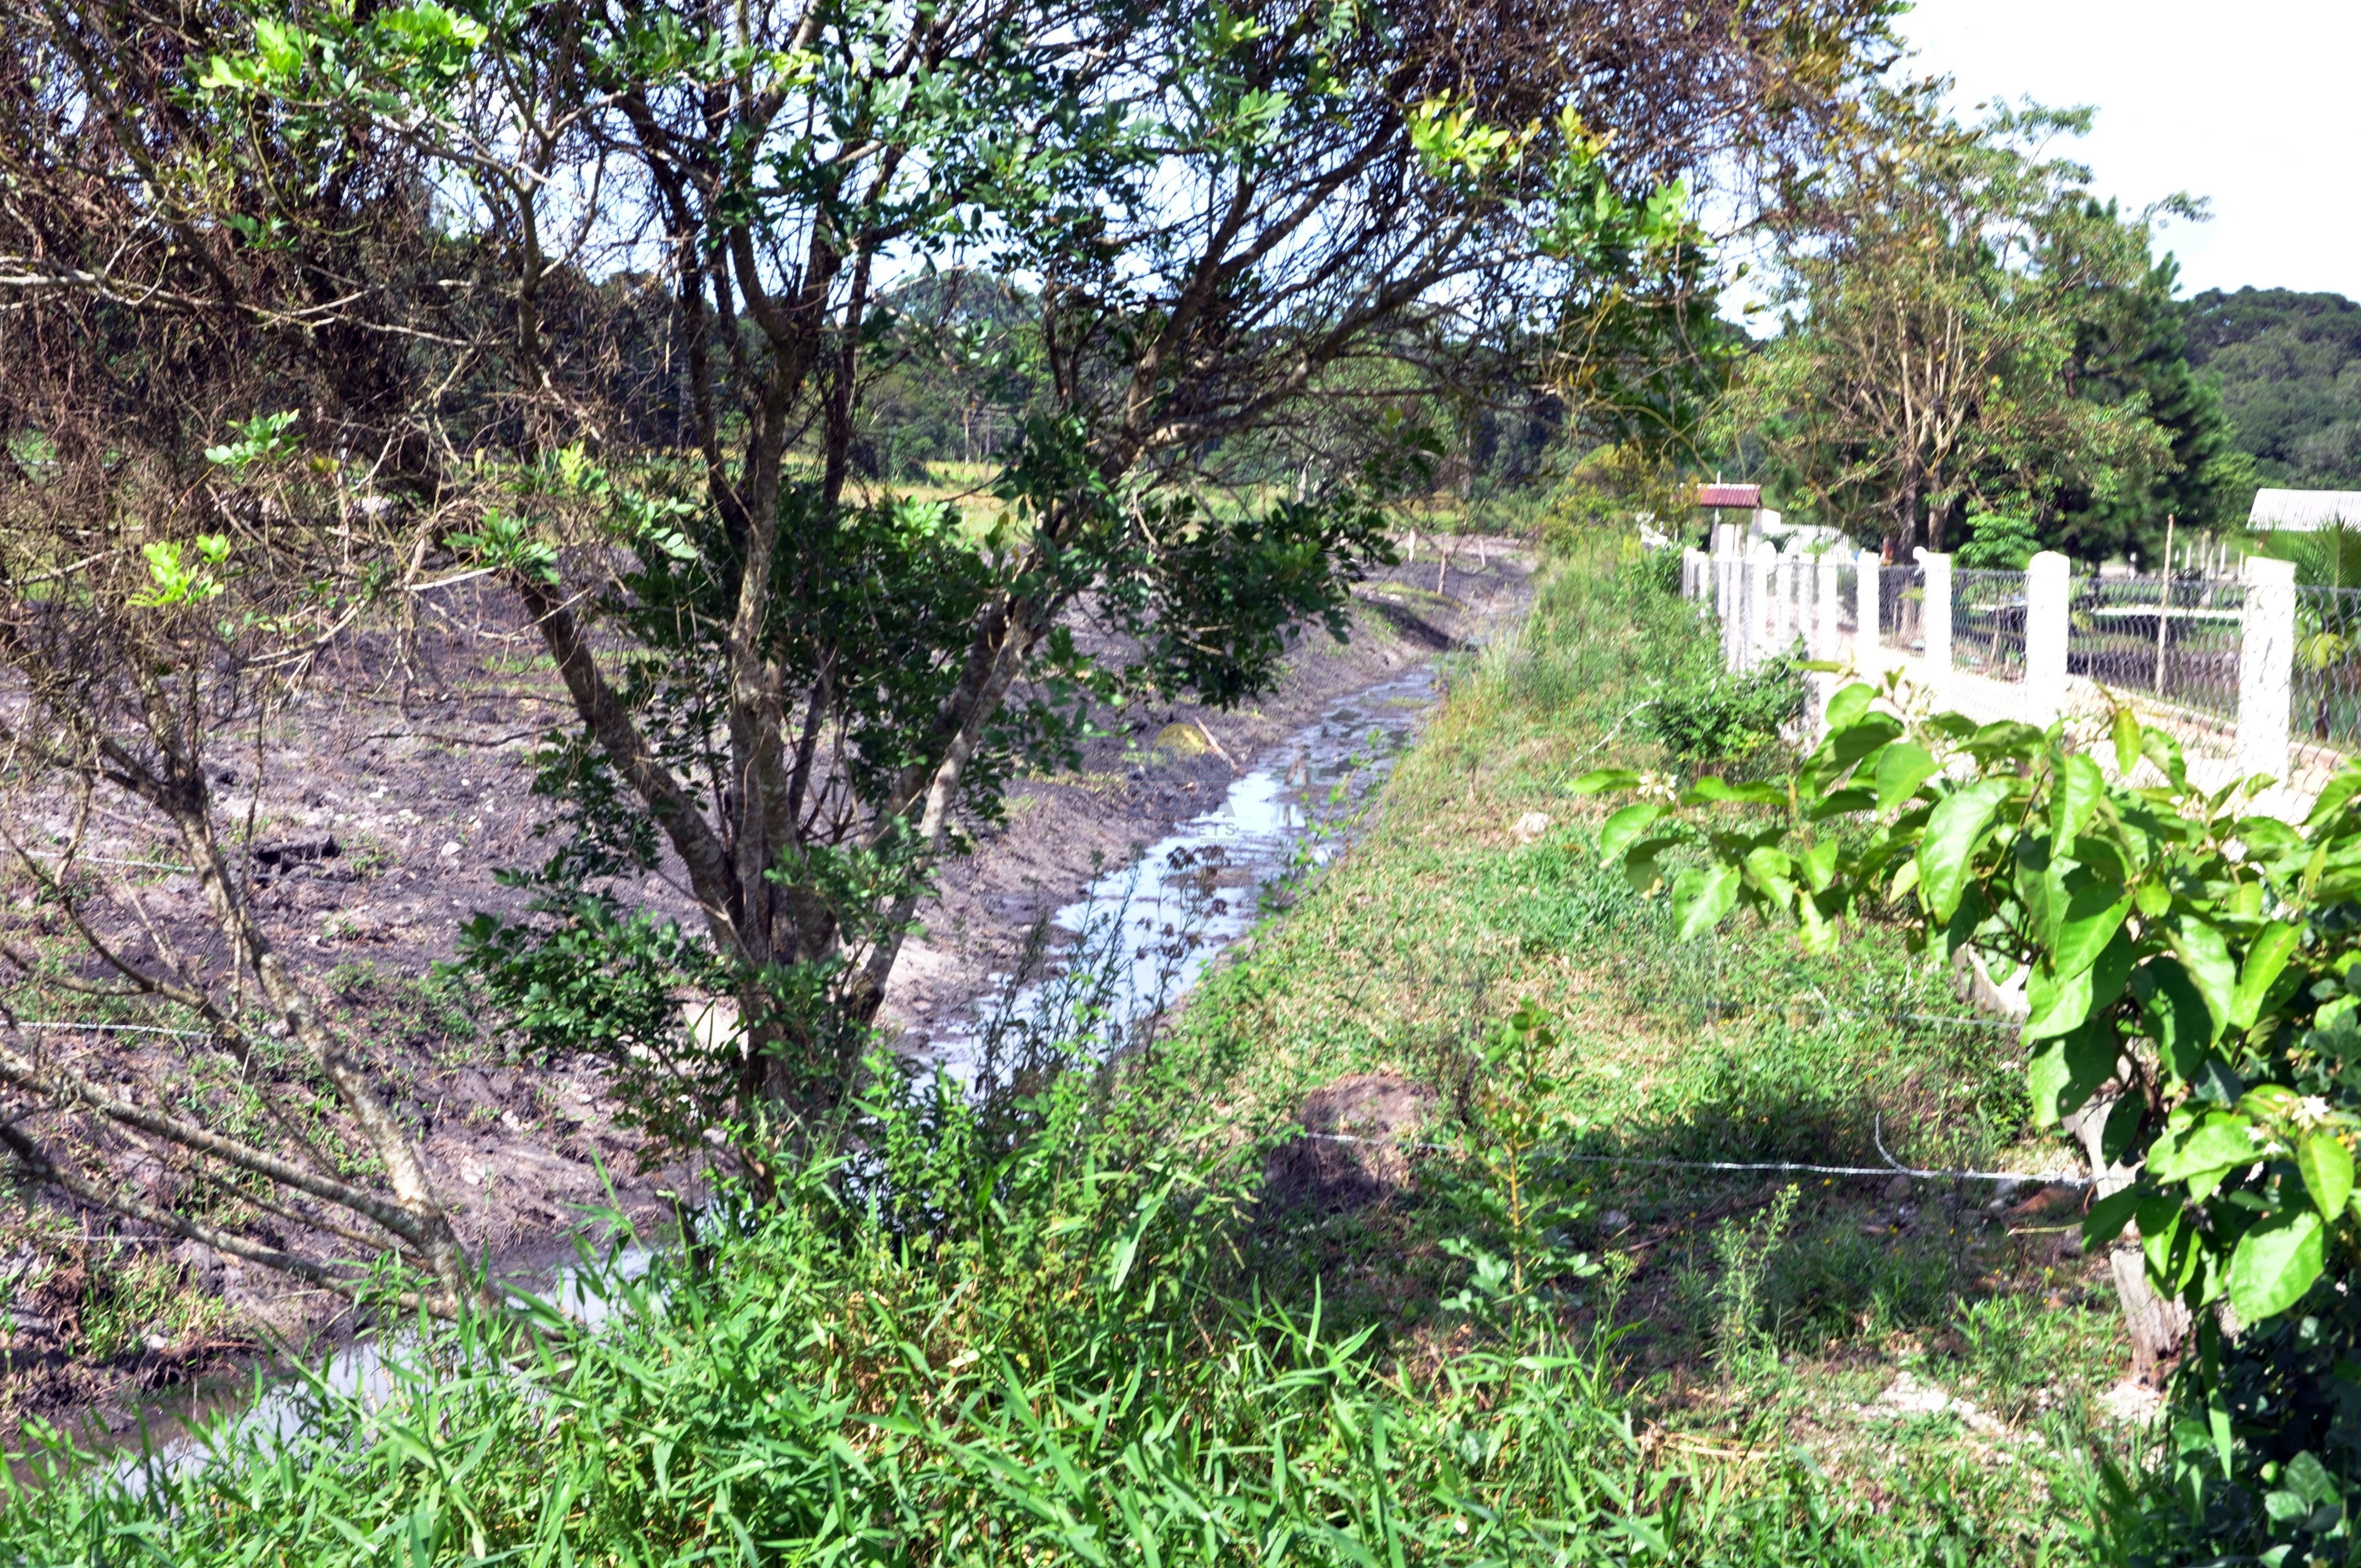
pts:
[398, 787]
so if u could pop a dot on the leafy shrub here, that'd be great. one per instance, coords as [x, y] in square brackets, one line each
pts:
[2274, 1481]
[1999, 542]
[988, 1345]
[2204, 956]
[1660, 570]
[1727, 718]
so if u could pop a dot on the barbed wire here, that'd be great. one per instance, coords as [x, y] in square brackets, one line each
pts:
[76, 1024]
[1714, 1005]
[1877, 1136]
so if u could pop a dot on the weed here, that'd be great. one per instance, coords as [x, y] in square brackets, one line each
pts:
[1743, 1251]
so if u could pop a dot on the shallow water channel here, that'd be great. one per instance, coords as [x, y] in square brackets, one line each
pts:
[1148, 930]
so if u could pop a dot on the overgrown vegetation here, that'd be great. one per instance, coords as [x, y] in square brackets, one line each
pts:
[1084, 1320]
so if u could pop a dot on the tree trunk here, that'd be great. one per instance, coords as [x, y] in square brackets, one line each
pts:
[2157, 1324]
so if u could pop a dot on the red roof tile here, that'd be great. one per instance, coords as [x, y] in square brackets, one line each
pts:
[1746, 496]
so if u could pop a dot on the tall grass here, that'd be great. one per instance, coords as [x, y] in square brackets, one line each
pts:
[1068, 1326]
[1035, 1352]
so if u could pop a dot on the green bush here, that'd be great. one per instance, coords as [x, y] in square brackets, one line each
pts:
[1722, 718]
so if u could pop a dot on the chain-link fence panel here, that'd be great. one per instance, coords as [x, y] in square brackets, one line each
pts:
[1901, 609]
[1988, 624]
[2175, 639]
[2326, 708]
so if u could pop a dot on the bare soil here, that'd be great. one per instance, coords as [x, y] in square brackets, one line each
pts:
[387, 801]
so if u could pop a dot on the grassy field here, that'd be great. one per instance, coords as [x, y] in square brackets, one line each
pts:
[1941, 1365]
[1106, 1317]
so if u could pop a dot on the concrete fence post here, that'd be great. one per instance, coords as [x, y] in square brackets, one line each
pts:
[1867, 656]
[2265, 667]
[1831, 576]
[1727, 586]
[1934, 616]
[1754, 609]
[1777, 625]
[1821, 638]
[2046, 589]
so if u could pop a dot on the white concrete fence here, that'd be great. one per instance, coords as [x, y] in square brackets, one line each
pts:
[1770, 603]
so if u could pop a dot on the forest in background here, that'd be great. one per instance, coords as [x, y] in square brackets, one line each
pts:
[2289, 366]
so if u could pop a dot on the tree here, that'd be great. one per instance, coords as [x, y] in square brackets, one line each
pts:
[1939, 281]
[1264, 214]
[2131, 344]
[585, 302]
[2194, 974]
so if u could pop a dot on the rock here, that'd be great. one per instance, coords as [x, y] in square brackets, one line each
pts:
[1183, 740]
[469, 1086]
[1531, 826]
[1351, 1156]
[2058, 1199]
[1614, 1220]
[1897, 1189]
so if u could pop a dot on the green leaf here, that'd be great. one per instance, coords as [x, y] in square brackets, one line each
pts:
[2266, 955]
[1847, 706]
[2327, 1166]
[2206, 957]
[1773, 873]
[2128, 741]
[2333, 795]
[2122, 1129]
[1900, 771]
[2059, 1006]
[2064, 1073]
[2172, 1014]
[1640, 869]
[1947, 852]
[1702, 896]
[2092, 917]
[1599, 780]
[2108, 1217]
[2275, 1264]
[1620, 829]
[1851, 744]
[2079, 793]
[2113, 968]
[1842, 803]
[2165, 753]
[1712, 788]
[2221, 1142]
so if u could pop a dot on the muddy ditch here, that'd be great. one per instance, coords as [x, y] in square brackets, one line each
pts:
[400, 785]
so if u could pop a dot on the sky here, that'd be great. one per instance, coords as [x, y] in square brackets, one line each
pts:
[2251, 106]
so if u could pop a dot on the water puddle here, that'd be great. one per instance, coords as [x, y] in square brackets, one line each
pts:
[1146, 931]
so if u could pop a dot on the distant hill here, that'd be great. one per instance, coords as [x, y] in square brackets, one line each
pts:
[2290, 368]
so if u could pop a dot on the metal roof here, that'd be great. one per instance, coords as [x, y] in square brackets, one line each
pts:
[1748, 497]
[2305, 511]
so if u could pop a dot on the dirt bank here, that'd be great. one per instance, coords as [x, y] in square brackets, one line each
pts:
[396, 789]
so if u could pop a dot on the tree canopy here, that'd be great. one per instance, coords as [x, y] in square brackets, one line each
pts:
[1968, 332]
[2289, 369]
[315, 309]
